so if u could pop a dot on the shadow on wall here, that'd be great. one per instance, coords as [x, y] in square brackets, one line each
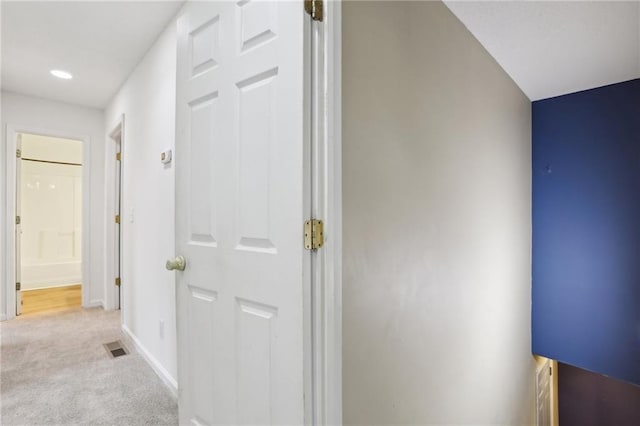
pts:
[590, 399]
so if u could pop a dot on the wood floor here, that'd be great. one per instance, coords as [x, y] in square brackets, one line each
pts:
[51, 299]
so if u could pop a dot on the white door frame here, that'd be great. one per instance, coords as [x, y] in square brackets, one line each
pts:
[12, 132]
[111, 290]
[326, 98]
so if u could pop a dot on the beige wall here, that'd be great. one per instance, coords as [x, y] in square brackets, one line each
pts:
[437, 223]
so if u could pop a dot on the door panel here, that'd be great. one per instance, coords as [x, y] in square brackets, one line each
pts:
[255, 97]
[255, 326]
[204, 122]
[201, 317]
[241, 185]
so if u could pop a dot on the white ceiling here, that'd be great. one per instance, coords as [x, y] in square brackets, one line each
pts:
[100, 43]
[551, 48]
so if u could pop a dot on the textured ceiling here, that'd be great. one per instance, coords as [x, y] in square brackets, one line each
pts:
[551, 48]
[100, 43]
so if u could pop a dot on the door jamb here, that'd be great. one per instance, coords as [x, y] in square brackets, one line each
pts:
[327, 205]
[10, 207]
[111, 290]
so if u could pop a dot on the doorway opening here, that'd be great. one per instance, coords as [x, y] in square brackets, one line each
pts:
[48, 223]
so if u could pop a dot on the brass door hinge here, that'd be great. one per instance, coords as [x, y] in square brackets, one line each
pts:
[314, 8]
[19, 153]
[313, 234]
[118, 218]
[118, 156]
[18, 220]
[18, 286]
[118, 281]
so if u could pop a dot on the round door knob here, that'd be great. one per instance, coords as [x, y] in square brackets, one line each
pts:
[176, 264]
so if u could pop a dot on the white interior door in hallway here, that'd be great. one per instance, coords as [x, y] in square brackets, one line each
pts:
[242, 196]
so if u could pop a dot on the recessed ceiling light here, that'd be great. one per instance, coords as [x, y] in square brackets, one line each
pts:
[61, 74]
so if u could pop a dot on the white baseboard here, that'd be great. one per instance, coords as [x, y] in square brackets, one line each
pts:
[64, 284]
[3, 317]
[94, 304]
[164, 375]
[53, 274]
[52, 283]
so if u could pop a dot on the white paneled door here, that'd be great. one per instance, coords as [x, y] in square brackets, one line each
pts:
[242, 189]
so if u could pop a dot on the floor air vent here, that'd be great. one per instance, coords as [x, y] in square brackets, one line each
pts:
[116, 349]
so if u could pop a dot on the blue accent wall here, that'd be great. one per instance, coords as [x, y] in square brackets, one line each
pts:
[586, 230]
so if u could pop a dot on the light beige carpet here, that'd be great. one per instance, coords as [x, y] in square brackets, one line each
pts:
[54, 370]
